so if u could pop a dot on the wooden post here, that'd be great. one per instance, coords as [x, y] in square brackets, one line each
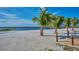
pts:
[72, 40]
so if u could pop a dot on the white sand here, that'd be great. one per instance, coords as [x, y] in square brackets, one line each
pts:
[29, 40]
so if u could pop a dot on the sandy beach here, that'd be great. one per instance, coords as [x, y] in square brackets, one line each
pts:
[30, 40]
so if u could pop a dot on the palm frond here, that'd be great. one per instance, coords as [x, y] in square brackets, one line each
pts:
[35, 19]
[67, 22]
[59, 21]
[74, 22]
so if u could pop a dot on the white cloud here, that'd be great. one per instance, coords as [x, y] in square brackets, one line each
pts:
[8, 15]
[55, 13]
[12, 19]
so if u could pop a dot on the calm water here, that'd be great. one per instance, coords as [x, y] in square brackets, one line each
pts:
[22, 28]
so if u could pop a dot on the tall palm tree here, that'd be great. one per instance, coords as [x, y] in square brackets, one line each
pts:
[67, 25]
[74, 24]
[43, 19]
[55, 23]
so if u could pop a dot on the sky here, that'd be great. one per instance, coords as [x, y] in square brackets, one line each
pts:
[22, 16]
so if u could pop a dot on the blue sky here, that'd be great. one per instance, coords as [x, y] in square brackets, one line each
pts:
[22, 16]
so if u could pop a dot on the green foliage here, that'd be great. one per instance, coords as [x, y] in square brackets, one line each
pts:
[57, 21]
[44, 17]
[35, 19]
[68, 48]
[47, 19]
[50, 49]
[5, 29]
[74, 22]
[67, 22]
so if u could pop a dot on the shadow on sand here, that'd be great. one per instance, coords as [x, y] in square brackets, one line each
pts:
[64, 35]
[49, 35]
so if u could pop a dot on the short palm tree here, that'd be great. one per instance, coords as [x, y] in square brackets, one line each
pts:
[43, 19]
[67, 25]
[74, 24]
[55, 23]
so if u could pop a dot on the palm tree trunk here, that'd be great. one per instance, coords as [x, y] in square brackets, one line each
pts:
[72, 38]
[75, 33]
[56, 35]
[67, 33]
[41, 31]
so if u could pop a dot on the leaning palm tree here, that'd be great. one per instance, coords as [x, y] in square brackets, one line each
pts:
[74, 24]
[55, 23]
[43, 19]
[67, 25]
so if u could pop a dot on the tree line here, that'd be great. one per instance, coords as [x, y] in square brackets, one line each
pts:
[55, 21]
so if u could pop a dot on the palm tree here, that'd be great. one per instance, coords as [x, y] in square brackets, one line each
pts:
[74, 24]
[43, 19]
[55, 23]
[67, 25]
